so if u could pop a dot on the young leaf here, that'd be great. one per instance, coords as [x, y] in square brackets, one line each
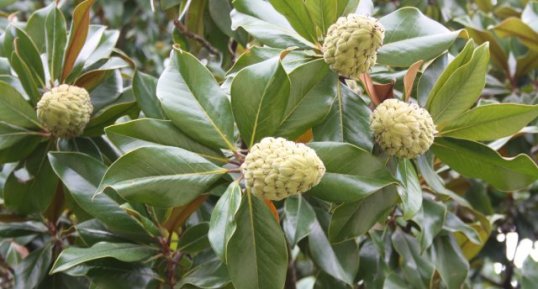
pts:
[257, 254]
[490, 122]
[56, 39]
[222, 224]
[260, 95]
[475, 160]
[77, 35]
[193, 100]
[460, 85]
[161, 176]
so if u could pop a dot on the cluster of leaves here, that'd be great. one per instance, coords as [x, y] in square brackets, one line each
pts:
[150, 196]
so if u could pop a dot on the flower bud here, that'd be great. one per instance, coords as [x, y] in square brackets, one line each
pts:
[402, 129]
[65, 110]
[276, 168]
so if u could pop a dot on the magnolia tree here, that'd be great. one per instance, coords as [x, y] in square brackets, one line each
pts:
[252, 144]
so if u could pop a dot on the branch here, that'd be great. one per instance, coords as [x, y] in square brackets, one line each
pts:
[183, 30]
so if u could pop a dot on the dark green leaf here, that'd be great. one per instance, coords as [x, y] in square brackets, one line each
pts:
[260, 95]
[351, 173]
[152, 132]
[257, 254]
[34, 268]
[193, 100]
[161, 176]
[56, 39]
[125, 252]
[299, 219]
[475, 160]
[356, 218]
[410, 192]
[145, 92]
[222, 225]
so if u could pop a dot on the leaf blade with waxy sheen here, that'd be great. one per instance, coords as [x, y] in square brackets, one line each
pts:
[351, 173]
[475, 160]
[193, 100]
[257, 254]
[126, 252]
[490, 122]
[161, 176]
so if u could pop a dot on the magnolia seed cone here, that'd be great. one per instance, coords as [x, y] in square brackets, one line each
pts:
[350, 47]
[402, 129]
[65, 110]
[276, 168]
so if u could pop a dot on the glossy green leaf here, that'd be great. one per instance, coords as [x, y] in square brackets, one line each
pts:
[299, 219]
[222, 224]
[257, 254]
[312, 93]
[405, 45]
[26, 77]
[475, 160]
[260, 94]
[347, 121]
[417, 268]
[32, 185]
[161, 176]
[56, 39]
[429, 77]
[450, 262]
[490, 122]
[460, 85]
[298, 16]
[11, 230]
[81, 175]
[354, 219]
[326, 257]
[194, 239]
[195, 103]
[208, 275]
[153, 132]
[264, 23]
[325, 12]
[430, 219]
[145, 92]
[351, 173]
[29, 54]
[10, 135]
[36, 26]
[410, 191]
[126, 252]
[34, 268]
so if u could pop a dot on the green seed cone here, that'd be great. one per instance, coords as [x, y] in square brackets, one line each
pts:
[65, 110]
[402, 129]
[276, 168]
[350, 47]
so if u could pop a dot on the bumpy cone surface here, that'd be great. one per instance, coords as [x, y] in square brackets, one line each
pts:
[276, 168]
[402, 129]
[65, 110]
[350, 47]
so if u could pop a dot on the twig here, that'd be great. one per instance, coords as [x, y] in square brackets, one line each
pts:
[183, 30]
